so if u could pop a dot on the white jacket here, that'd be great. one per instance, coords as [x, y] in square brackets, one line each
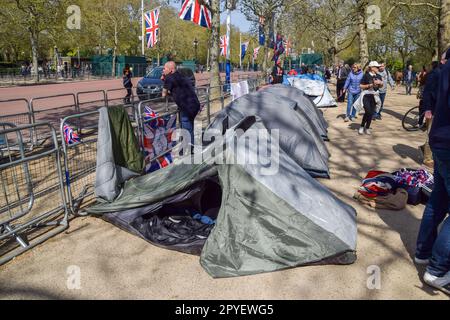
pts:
[358, 104]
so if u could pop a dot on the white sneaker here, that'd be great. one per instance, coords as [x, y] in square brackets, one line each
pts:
[442, 283]
[368, 132]
[421, 261]
[361, 131]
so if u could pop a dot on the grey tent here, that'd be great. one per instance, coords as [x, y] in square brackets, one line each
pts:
[304, 103]
[298, 137]
[271, 216]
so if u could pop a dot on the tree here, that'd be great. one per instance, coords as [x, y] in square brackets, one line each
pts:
[34, 17]
[330, 23]
[254, 9]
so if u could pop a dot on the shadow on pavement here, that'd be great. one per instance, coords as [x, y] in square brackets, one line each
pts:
[405, 151]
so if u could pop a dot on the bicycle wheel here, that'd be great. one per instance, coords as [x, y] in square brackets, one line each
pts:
[410, 120]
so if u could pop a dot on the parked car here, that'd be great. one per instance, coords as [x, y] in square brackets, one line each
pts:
[150, 86]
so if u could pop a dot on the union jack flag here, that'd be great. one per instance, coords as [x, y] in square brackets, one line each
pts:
[152, 27]
[223, 45]
[192, 10]
[255, 53]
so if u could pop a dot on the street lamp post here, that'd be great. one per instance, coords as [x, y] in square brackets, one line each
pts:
[195, 48]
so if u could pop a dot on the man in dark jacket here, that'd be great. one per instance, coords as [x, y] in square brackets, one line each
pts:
[428, 104]
[183, 93]
[434, 248]
[342, 74]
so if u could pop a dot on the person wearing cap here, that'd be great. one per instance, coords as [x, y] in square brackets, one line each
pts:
[433, 248]
[371, 82]
[387, 80]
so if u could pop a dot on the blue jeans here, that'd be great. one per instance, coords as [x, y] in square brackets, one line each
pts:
[187, 124]
[429, 243]
[352, 97]
[382, 98]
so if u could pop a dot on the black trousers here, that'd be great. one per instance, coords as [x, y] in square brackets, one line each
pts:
[340, 89]
[370, 107]
[129, 94]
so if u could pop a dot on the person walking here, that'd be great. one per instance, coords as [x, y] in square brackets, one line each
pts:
[409, 79]
[421, 80]
[276, 76]
[183, 93]
[342, 74]
[353, 86]
[371, 82]
[127, 84]
[387, 79]
[433, 248]
[427, 107]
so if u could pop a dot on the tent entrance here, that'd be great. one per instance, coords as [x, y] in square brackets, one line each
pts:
[184, 224]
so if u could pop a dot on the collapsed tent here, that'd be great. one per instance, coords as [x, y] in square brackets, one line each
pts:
[310, 110]
[298, 137]
[266, 219]
[118, 155]
[313, 86]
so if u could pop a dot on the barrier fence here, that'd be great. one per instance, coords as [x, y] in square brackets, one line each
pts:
[64, 175]
[33, 207]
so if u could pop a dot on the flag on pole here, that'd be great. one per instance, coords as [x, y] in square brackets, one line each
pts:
[262, 37]
[244, 47]
[152, 27]
[255, 52]
[279, 48]
[223, 45]
[192, 10]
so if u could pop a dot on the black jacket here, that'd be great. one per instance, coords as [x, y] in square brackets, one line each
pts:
[440, 130]
[430, 92]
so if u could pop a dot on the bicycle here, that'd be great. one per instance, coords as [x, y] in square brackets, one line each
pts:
[410, 121]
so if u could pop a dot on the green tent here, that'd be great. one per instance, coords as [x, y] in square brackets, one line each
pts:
[270, 214]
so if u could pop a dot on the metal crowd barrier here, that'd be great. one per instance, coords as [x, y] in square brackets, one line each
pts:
[51, 114]
[80, 157]
[24, 117]
[27, 177]
[32, 203]
[90, 105]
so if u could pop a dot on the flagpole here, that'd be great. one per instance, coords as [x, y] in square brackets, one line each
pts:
[228, 62]
[143, 27]
[240, 50]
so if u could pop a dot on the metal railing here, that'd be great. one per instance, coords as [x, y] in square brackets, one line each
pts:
[32, 204]
[64, 176]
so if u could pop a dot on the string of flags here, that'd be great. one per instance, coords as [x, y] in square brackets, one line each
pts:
[192, 10]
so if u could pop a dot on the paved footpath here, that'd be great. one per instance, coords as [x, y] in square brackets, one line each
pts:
[115, 264]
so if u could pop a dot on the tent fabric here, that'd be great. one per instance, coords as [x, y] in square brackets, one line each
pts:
[261, 221]
[317, 89]
[313, 114]
[266, 222]
[277, 112]
[118, 155]
[239, 89]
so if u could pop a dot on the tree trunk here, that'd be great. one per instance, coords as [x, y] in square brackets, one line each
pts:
[34, 52]
[116, 40]
[444, 26]
[335, 51]
[363, 44]
[215, 47]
